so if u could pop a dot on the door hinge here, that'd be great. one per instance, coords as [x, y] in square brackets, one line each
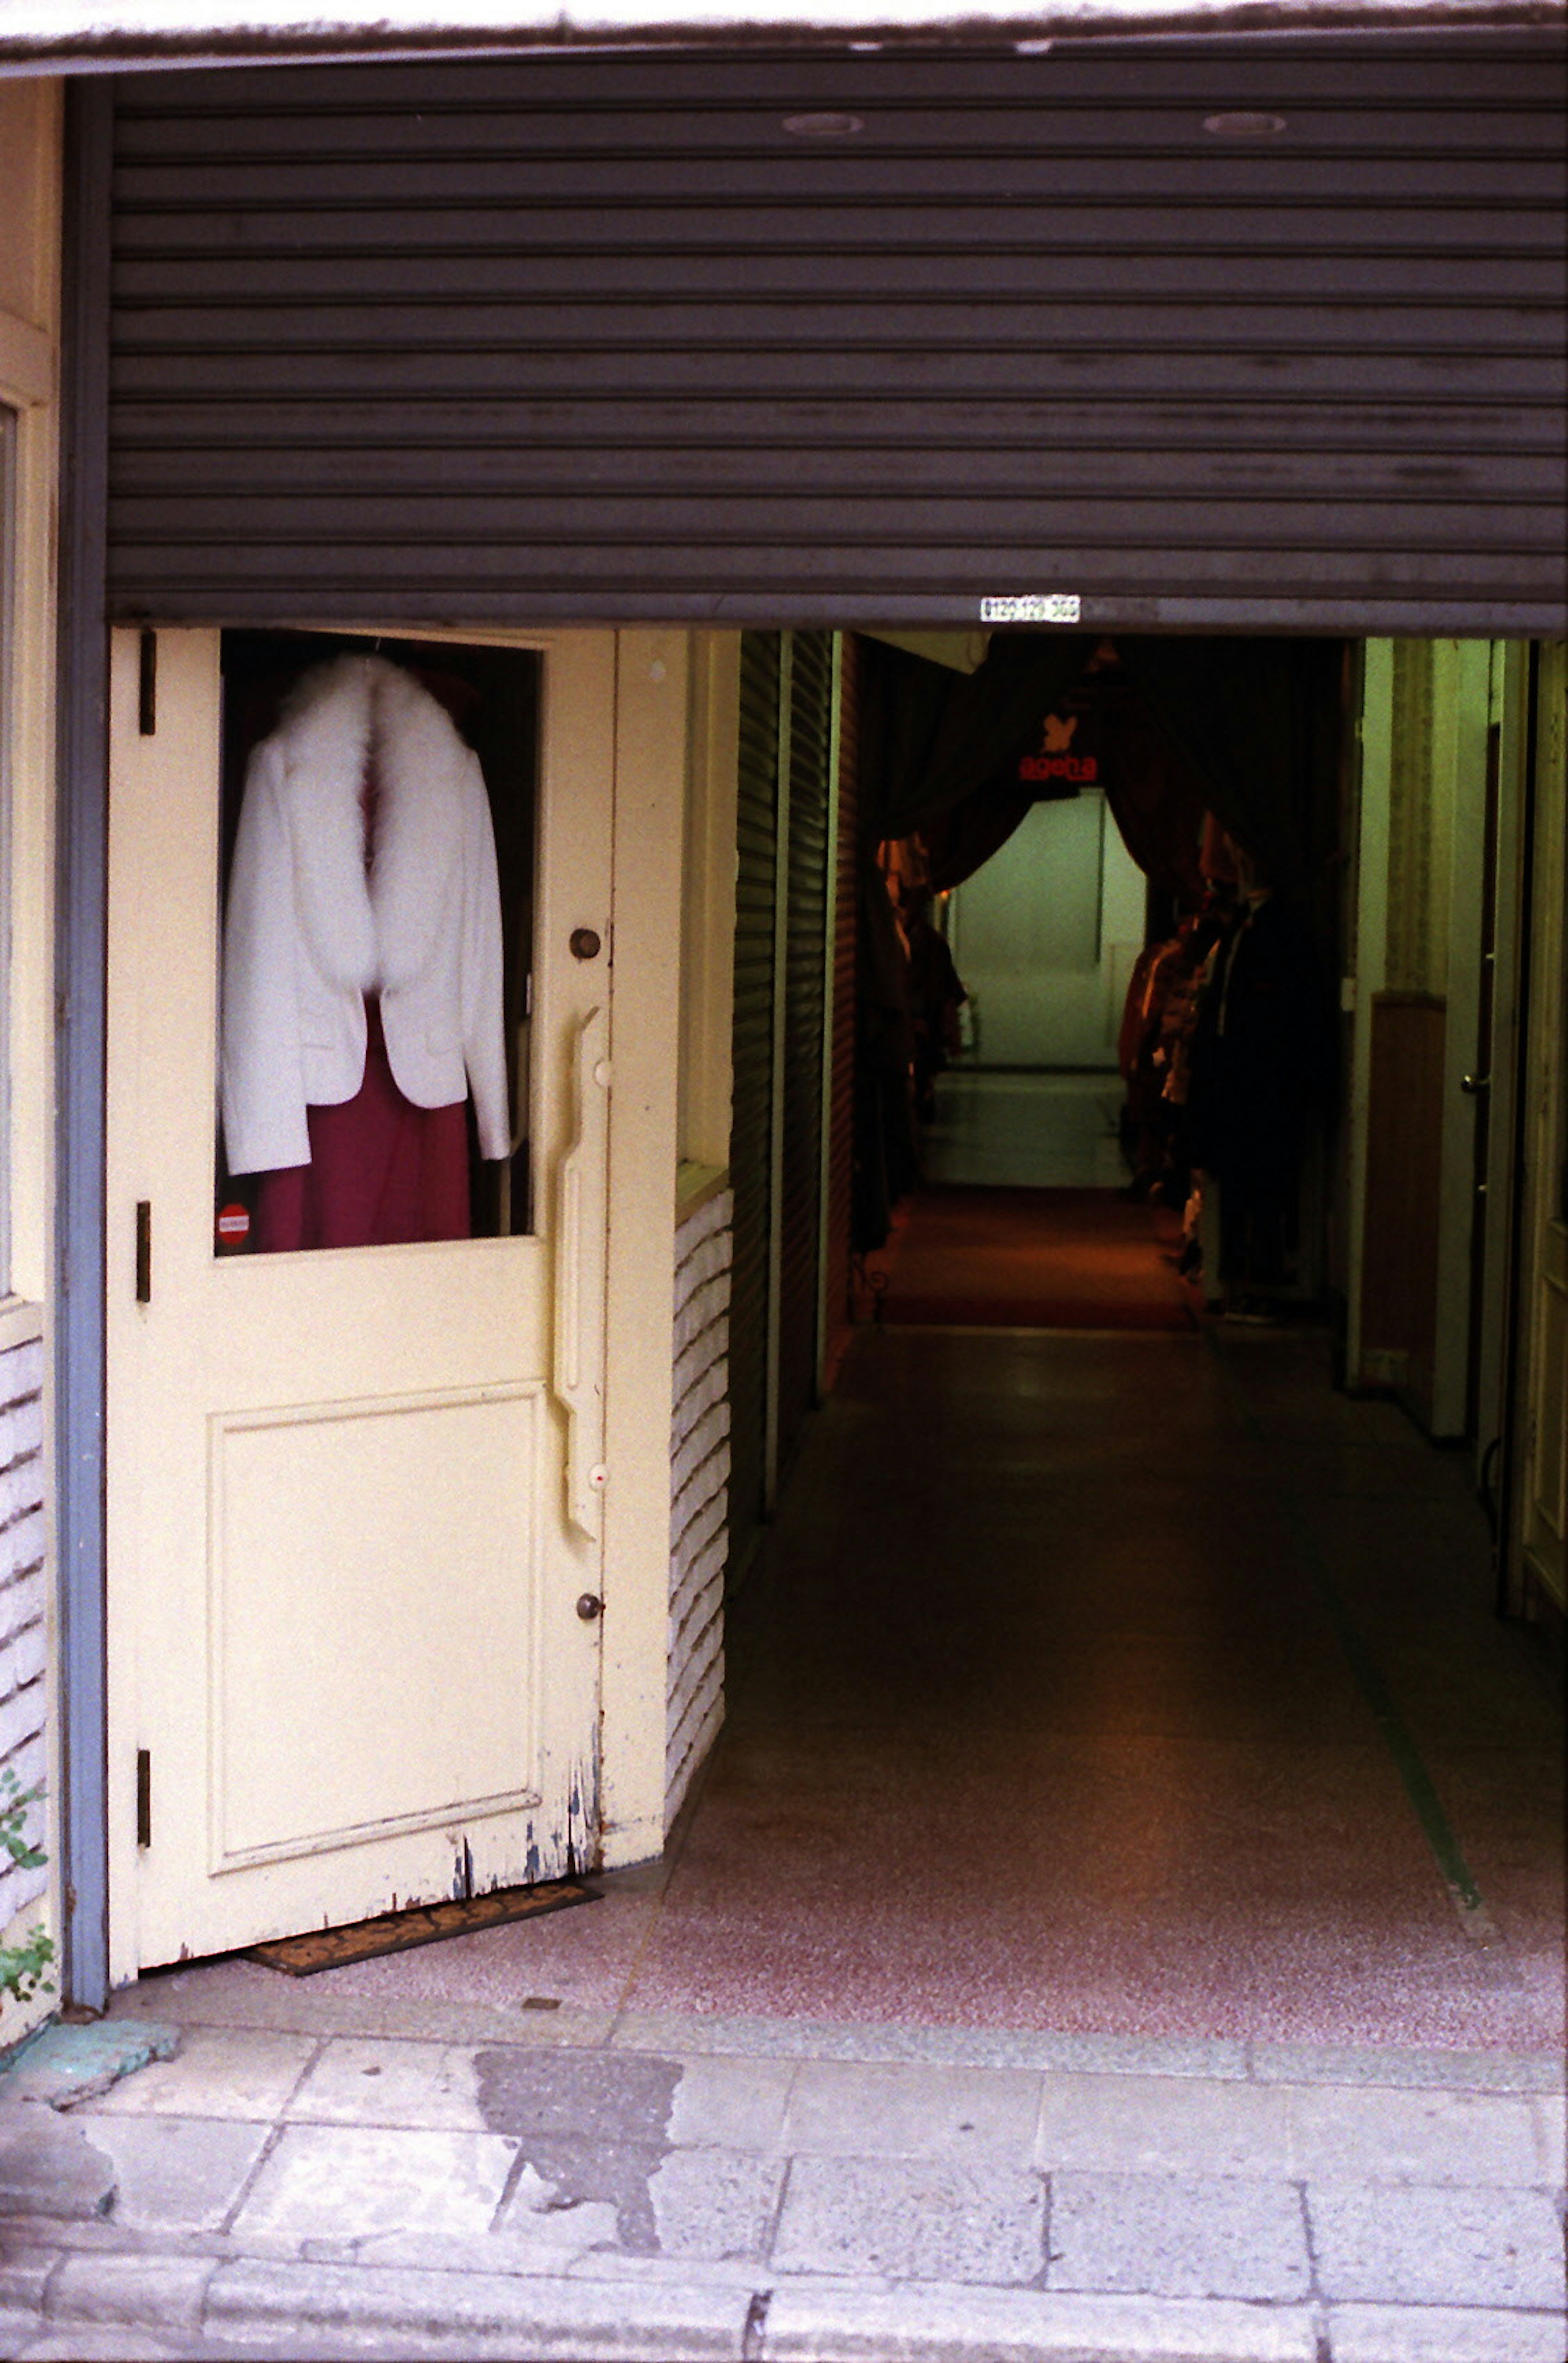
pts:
[144, 1796]
[144, 1252]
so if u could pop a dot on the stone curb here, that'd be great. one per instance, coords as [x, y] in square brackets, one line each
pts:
[286, 2308]
[389, 2311]
[828, 2324]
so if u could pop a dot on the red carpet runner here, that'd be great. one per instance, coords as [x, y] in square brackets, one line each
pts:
[1034, 1260]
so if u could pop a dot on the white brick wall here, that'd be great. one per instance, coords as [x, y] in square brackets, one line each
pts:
[699, 1479]
[23, 1616]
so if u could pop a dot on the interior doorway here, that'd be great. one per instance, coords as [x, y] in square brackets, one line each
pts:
[1120, 921]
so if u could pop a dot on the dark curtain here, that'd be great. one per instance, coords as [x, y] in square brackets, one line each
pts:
[1260, 722]
[931, 737]
[1157, 798]
[962, 840]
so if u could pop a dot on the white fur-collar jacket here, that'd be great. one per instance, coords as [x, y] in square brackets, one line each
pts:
[311, 929]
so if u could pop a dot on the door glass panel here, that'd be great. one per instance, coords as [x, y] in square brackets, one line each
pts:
[377, 859]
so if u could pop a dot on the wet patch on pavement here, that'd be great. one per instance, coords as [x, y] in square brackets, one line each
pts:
[593, 2126]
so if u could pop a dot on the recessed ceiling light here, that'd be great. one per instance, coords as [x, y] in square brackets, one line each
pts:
[823, 127]
[1244, 127]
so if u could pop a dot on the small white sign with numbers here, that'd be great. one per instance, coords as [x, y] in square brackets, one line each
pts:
[1033, 608]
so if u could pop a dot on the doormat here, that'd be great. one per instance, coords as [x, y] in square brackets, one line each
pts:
[422, 1924]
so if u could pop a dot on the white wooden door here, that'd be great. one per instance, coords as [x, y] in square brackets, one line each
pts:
[352, 1492]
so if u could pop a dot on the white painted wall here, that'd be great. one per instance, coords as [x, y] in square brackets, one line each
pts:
[1045, 936]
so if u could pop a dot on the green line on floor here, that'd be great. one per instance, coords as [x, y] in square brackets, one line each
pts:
[1406, 1756]
[1418, 1781]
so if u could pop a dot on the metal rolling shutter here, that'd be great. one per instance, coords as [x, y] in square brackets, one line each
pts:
[601, 338]
[751, 1143]
[805, 989]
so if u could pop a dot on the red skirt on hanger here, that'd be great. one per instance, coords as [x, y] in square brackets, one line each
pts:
[381, 1172]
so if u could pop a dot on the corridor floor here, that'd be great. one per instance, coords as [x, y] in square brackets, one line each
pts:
[1097, 1684]
[1028, 1130]
[1043, 1258]
[1122, 1685]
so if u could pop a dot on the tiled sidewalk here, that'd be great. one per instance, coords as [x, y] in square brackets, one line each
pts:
[672, 2189]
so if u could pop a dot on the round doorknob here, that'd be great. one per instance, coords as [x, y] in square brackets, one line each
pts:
[589, 1606]
[584, 943]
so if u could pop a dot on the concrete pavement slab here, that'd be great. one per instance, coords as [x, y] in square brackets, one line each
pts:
[849, 2110]
[1162, 2125]
[827, 2325]
[1424, 2245]
[1178, 2235]
[367, 2081]
[551, 2242]
[1549, 2118]
[578, 2244]
[1373, 2135]
[1408, 2333]
[345, 2182]
[715, 2203]
[736, 2104]
[918, 2219]
[178, 2174]
[217, 2072]
[49, 2165]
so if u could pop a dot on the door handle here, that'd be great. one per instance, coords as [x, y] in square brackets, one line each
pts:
[1473, 1084]
[581, 1228]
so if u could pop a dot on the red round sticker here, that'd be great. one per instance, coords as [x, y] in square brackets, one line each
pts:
[233, 1224]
